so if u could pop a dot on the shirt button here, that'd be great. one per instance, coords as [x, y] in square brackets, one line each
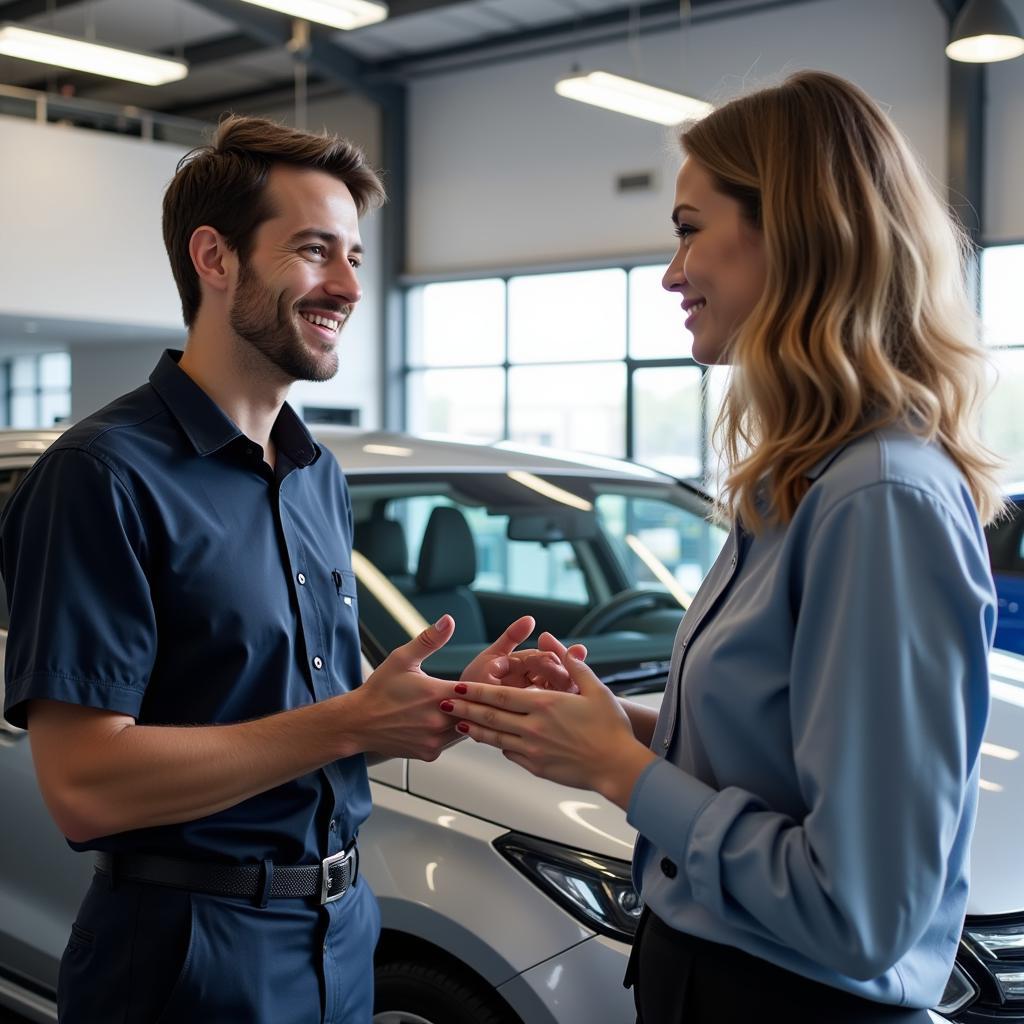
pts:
[301, 577]
[318, 662]
[668, 869]
[333, 825]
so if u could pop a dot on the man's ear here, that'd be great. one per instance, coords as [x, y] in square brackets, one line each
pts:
[214, 260]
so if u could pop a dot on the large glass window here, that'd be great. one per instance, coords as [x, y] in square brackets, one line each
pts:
[592, 360]
[1002, 271]
[555, 318]
[36, 390]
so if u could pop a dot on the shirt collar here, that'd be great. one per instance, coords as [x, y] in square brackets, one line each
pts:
[822, 464]
[207, 426]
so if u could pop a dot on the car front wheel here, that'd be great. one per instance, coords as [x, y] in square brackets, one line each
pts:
[414, 993]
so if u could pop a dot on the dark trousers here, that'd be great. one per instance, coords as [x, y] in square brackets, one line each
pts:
[146, 954]
[680, 979]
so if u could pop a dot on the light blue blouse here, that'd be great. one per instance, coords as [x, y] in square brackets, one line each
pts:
[820, 733]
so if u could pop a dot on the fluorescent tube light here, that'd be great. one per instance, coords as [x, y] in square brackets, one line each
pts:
[82, 55]
[343, 14]
[985, 31]
[627, 96]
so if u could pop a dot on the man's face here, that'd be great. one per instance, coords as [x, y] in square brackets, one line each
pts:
[298, 287]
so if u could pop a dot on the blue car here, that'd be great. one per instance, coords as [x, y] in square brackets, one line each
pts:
[1006, 550]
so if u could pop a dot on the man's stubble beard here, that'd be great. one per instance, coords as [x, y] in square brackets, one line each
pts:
[266, 325]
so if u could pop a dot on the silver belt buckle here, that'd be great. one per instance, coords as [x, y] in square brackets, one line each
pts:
[334, 886]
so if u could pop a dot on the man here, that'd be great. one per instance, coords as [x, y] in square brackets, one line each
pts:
[184, 644]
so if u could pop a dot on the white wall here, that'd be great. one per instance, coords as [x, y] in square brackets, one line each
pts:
[80, 223]
[1004, 150]
[502, 171]
[80, 241]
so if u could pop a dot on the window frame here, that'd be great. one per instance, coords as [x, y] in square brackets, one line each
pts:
[410, 283]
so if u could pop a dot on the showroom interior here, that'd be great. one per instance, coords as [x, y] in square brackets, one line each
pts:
[457, 102]
[512, 299]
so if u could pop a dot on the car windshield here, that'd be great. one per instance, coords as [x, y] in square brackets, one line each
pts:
[609, 562]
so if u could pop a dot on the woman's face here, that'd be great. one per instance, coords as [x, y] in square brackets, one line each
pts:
[719, 266]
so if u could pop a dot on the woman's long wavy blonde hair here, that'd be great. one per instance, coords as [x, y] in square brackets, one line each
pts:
[865, 319]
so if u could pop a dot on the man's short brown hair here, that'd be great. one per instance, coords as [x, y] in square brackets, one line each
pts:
[224, 185]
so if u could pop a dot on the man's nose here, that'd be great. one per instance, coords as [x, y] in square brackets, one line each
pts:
[344, 282]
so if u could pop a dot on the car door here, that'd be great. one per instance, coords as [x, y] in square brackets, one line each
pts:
[41, 879]
[1006, 550]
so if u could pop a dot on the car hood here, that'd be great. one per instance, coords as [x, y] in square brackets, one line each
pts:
[480, 781]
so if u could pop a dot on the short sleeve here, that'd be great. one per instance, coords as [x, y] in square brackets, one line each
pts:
[73, 559]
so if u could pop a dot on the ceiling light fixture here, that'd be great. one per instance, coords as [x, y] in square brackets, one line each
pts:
[343, 14]
[627, 96]
[985, 31]
[82, 55]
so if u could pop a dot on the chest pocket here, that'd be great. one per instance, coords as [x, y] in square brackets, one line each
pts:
[345, 586]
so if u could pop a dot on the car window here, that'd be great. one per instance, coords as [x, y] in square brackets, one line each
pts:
[503, 565]
[611, 561]
[652, 535]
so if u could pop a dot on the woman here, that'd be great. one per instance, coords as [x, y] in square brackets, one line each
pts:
[806, 797]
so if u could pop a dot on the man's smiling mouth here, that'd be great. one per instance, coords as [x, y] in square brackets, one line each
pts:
[328, 323]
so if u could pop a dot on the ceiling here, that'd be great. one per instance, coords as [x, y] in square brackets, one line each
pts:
[236, 51]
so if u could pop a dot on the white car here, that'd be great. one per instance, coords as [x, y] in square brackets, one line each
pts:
[507, 899]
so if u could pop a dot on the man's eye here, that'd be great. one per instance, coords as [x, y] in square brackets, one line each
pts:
[316, 250]
[355, 263]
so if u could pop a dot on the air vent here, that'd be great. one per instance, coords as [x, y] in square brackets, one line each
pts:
[639, 181]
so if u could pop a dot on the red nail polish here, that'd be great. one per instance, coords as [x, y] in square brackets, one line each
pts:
[461, 688]
[447, 705]
[462, 727]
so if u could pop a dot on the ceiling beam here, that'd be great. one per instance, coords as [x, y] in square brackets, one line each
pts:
[566, 35]
[22, 10]
[275, 30]
[273, 93]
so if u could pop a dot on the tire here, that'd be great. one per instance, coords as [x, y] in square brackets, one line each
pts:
[415, 993]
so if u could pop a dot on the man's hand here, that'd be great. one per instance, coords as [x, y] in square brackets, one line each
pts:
[397, 710]
[583, 739]
[502, 665]
[543, 669]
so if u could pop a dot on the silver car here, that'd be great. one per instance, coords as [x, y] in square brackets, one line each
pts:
[507, 899]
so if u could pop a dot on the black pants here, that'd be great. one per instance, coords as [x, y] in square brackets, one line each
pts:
[680, 979]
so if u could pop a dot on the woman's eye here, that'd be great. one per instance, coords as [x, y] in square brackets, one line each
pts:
[684, 230]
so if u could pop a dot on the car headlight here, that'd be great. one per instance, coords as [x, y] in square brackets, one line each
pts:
[987, 982]
[999, 945]
[960, 991]
[597, 891]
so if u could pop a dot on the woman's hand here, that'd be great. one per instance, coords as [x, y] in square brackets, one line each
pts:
[579, 739]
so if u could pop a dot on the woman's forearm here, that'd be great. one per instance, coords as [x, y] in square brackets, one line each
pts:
[643, 720]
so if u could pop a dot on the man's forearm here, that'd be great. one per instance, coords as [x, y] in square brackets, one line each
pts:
[115, 775]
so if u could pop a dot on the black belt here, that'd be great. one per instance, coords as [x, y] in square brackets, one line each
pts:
[329, 880]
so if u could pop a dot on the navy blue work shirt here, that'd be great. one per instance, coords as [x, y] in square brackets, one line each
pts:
[156, 566]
